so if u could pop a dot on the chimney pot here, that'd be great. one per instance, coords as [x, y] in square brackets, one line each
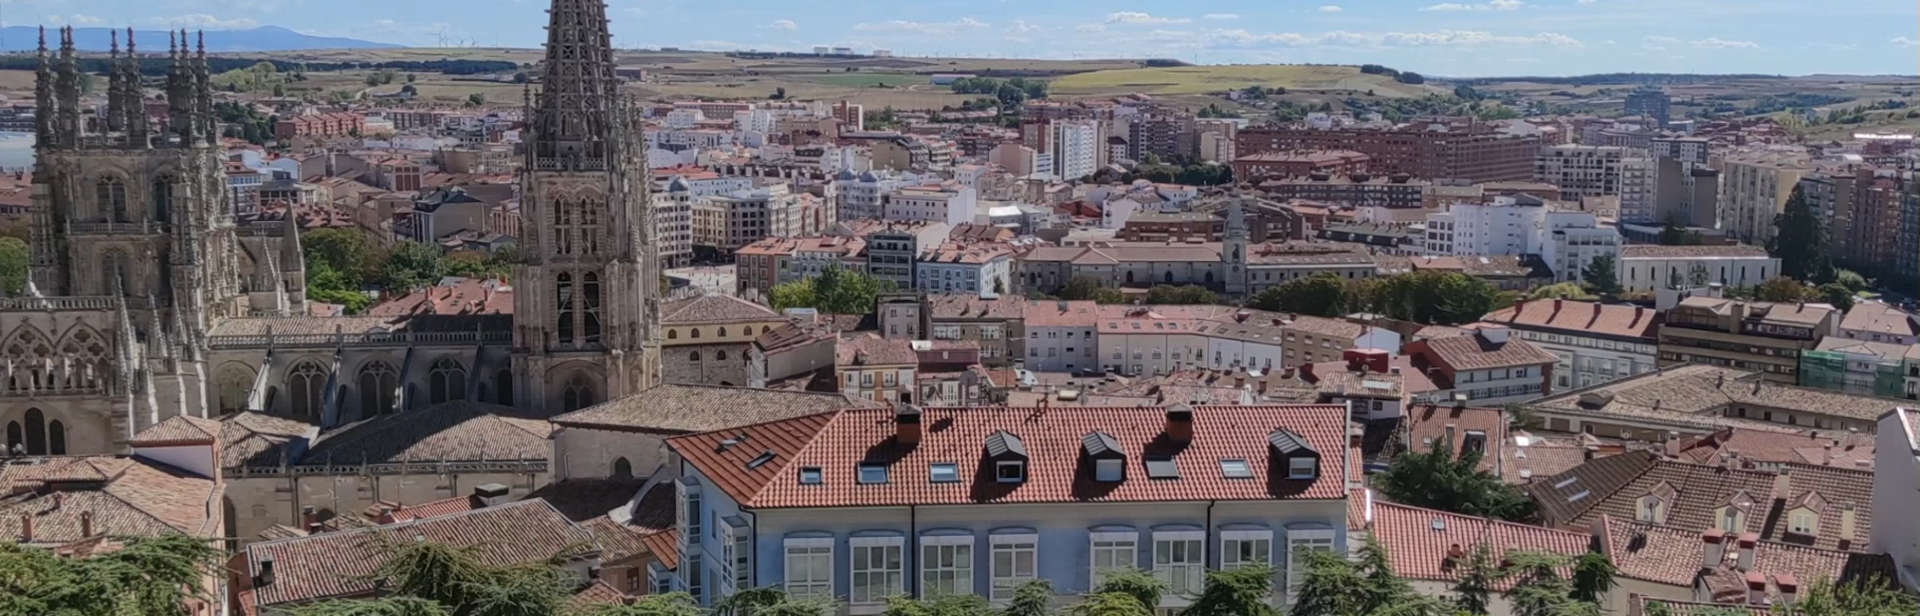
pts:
[1180, 423]
[906, 421]
[1715, 551]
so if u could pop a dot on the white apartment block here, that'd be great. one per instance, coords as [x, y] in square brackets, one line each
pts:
[1075, 146]
[1573, 240]
[953, 205]
[1522, 225]
[1580, 170]
[1061, 336]
[984, 270]
[860, 194]
[1637, 182]
[1754, 187]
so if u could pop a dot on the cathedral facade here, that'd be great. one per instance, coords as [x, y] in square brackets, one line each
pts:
[150, 297]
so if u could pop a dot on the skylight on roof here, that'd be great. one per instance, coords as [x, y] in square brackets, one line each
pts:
[873, 473]
[1565, 482]
[1162, 468]
[1235, 468]
[760, 460]
[943, 472]
[811, 476]
[1578, 497]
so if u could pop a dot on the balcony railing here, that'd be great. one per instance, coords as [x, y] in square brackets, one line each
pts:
[360, 339]
[43, 304]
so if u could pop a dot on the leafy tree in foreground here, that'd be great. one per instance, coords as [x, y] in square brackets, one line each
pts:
[13, 266]
[1601, 276]
[1800, 240]
[950, 605]
[1033, 598]
[1436, 479]
[1246, 591]
[1780, 289]
[149, 575]
[1474, 591]
[1181, 295]
[670, 604]
[1322, 294]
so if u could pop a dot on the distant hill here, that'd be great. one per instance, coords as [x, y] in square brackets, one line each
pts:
[263, 38]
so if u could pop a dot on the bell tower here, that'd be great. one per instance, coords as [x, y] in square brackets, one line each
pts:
[587, 293]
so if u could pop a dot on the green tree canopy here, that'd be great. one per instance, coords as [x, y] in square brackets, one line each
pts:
[1564, 290]
[1323, 294]
[1800, 240]
[1836, 294]
[412, 266]
[14, 260]
[837, 290]
[1185, 295]
[1436, 479]
[1780, 289]
[1246, 591]
[1085, 288]
[1601, 276]
[149, 575]
[1433, 298]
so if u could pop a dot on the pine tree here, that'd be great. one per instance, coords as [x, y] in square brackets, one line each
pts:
[1800, 241]
[1601, 276]
[1474, 591]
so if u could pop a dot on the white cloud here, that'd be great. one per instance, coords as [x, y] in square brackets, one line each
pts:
[1022, 26]
[1720, 43]
[1090, 28]
[1221, 16]
[74, 20]
[1330, 8]
[1133, 17]
[1490, 5]
[784, 24]
[1904, 41]
[921, 27]
[203, 20]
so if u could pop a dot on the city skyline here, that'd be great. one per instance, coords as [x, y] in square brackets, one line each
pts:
[1465, 39]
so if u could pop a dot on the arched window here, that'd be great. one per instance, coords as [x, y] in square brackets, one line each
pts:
[723, 331]
[720, 355]
[589, 228]
[577, 395]
[563, 294]
[590, 295]
[36, 432]
[16, 439]
[56, 438]
[694, 333]
[305, 383]
[447, 381]
[693, 356]
[110, 195]
[503, 386]
[622, 469]
[1169, 275]
[114, 277]
[162, 198]
[765, 329]
[234, 383]
[563, 228]
[673, 334]
[379, 388]
[1129, 276]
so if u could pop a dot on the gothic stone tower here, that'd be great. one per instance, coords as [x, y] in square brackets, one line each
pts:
[586, 305]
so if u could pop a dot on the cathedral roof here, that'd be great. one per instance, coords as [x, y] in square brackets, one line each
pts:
[454, 431]
[179, 429]
[704, 309]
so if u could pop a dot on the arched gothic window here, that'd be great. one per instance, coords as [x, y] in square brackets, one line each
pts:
[503, 386]
[16, 439]
[564, 297]
[577, 395]
[447, 381]
[379, 388]
[723, 331]
[56, 438]
[115, 278]
[693, 356]
[720, 355]
[673, 334]
[235, 383]
[305, 383]
[162, 204]
[590, 317]
[589, 227]
[36, 433]
[694, 332]
[622, 469]
[110, 196]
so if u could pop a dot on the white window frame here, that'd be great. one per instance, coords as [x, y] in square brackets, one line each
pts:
[1232, 540]
[1017, 547]
[807, 548]
[1294, 470]
[1109, 469]
[1113, 545]
[737, 556]
[962, 568]
[1304, 538]
[1794, 527]
[885, 588]
[1190, 571]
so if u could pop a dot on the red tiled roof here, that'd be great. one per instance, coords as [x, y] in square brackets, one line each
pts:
[440, 507]
[1473, 351]
[123, 496]
[1429, 425]
[838, 443]
[665, 546]
[1418, 540]
[179, 429]
[1580, 317]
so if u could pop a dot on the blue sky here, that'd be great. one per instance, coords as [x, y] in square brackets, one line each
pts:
[1442, 37]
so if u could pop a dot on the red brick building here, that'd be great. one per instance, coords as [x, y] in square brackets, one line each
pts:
[323, 124]
[1292, 164]
[1470, 152]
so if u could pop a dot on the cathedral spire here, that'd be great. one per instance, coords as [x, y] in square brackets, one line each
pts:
[43, 98]
[67, 93]
[116, 88]
[135, 105]
[574, 121]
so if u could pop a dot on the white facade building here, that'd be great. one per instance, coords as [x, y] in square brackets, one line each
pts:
[860, 194]
[1580, 170]
[1075, 146]
[1522, 225]
[1646, 267]
[953, 205]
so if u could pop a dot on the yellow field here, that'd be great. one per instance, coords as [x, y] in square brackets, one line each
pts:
[1205, 79]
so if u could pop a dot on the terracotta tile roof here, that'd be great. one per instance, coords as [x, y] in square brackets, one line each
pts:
[1428, 426]
[1743, 448]
[123, 496]
[838, 443]
[617, 541]
[1614, 486]
[699, 408]
[665, 546]
[1887, 351]
[1830, 493]
[585, 499]
[454, 431]
[440, 507]
[1651, 605]
[869, 349]
[955, 307]
[338, 564]
[255, 439]
[259, 326]
[1672, 556]
[1475, 352]
[179, 429]
[1699, 394]
[456, 296]
[597, 593]
[1580, 318]
[1880, 318]
[1419, 541]
[1655, 251]
[714, 309]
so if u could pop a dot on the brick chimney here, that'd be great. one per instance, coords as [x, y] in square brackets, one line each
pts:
[1180, 423]
[1789, 588]
[1747, 543]
[1716, 548]
[26, 528]
[906, 424]
[1756, 588]
[309, 519]
[86, 524]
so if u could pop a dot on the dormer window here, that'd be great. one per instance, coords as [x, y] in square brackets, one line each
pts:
[1010, 472]
[1803, 522]
[1651, 509]
[1008, 455]
[1103, 452]
[811, 476]
[1291, 452]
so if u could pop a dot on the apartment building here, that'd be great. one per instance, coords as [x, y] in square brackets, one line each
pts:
[1485, 366]
[1475, 152]
[1592, 343]
[1649, 267]
[950, 203]
[1074, 146]
[1757, 336]
[869, 367]
[1581, 170]
[981, 269]
[1396, 191]
[1754, 187]
[1261, 166]
[994, 325]
[1567, 241]
[866, 505]
[1061, 335]
[778, 260]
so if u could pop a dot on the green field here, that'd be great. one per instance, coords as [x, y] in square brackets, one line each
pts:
[869, 80]
[1205, 79]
